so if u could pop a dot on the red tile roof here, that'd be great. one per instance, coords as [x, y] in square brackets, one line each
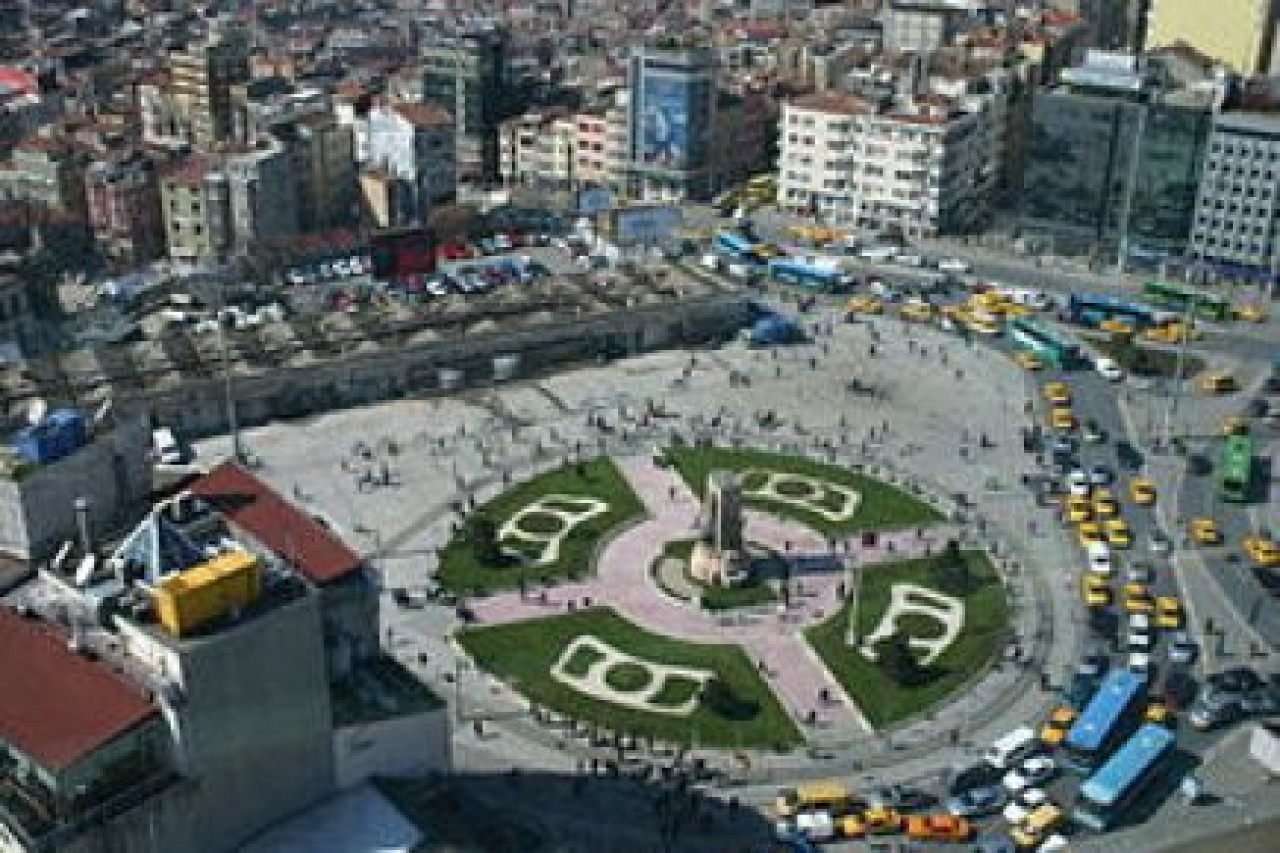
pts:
[259, 511]
[57, 706]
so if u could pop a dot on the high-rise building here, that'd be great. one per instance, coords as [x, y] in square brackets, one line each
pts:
[1240, 34]
[671, 122]
[466, 74]
[200, 81]
[1237, 223]
[1114, 159]
[324, 164]
[415, 143]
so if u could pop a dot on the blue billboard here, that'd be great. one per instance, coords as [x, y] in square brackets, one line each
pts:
[664, 121]
[647, 224]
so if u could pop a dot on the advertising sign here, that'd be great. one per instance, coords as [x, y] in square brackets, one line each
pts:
[664, 123]
[402, 252]
[649, 224]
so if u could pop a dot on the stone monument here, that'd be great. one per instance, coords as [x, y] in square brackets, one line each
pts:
[720, 556]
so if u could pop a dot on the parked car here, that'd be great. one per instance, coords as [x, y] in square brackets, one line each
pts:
[898, 797]
[1216, 710]
[977, 802]
[1182, 649]
[1238, 679]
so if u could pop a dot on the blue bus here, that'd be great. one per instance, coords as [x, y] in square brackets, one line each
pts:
[1090, 309]
[1106, 719]
[810, 273]
[1107, 794]
[1054, 348]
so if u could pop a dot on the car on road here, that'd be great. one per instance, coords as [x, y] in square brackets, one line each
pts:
[1089, 533]
[1128, 456]
[1104, 505]
[1062, 418]
[1101, 475]
[978, 802]
[1100, 559]
[1078, 483]
[1137, 599]
[1093, 433]
[1062, 445]
[898, 797]
[1182, 649]
[1262, 550]
[1139, 572]
[1095, 591]
[1142, 491]
[1235, 425]
[1023, 804]
[1205, 531]
[1109, 369]
[1168, 613]
[1028, 360]
[1032, 772]
[1215, 710]
[1140, 662]
[938, 827]
[1032, 831]
[1079, 509]
[1218, 382]
[1236, 679]
[1159, 713]
[954, 266]
[1055, 728]
[1118, 533]
[1057, 393]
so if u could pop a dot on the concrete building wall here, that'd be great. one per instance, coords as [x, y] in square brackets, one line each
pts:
[112, 472]
[160, 824]
[255, 727]
[404, 746]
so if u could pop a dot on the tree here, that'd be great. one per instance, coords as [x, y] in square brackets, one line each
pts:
[482, 534]
[895, 657]
[951, 571]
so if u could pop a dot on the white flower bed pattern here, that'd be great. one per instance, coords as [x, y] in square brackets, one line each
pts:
[817, 493]
[592, 683]
[907, 598]
[552, 505]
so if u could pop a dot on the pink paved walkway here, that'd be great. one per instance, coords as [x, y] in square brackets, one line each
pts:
[624, 583]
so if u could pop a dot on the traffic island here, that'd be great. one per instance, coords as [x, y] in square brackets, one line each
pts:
[948, 618]
[597, 668]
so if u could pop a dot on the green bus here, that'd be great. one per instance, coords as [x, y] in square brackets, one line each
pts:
[1176, 297]
[1051, 346]
[1236, 475]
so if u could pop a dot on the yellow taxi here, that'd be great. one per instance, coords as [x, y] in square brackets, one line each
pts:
[1249, 312]
[1104, 506]
[1058, 393]
[1062, 418]
[1168, 613]
[1029, 834]
[1095, 591]
[1235, 426]
[1205, 531]
[1116, 327]
[1118, 533]
[1028, 360]
[1137, 599]
[1055, 728]
[982, 324]
[1262, 551]
[916, 312]
[1173, 333]
[864, 305]
[1090, 533]
[1014, 309]
[1142, 491]
[1159, 713]
[1079, 509]
[1218, 383]
[881, 821]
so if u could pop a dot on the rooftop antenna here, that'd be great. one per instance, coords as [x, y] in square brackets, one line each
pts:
[36, 410]
[61, 557]
[84, 571]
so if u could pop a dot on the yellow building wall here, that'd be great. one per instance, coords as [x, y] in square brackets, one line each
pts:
[1230, 31]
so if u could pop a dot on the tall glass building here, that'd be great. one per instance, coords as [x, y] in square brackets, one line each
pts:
[670, 122]
[1114, 158]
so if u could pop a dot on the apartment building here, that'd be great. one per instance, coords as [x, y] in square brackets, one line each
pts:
[124, 208]
[1236, 231]
[415, 143]
[216, 204]
[539, 148]
[199, 85]
[466, 75]
[918, 167]
[47, 172]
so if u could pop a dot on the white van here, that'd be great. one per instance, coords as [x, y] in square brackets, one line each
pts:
[165, 445]
[1011, 748]
[877, 254]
